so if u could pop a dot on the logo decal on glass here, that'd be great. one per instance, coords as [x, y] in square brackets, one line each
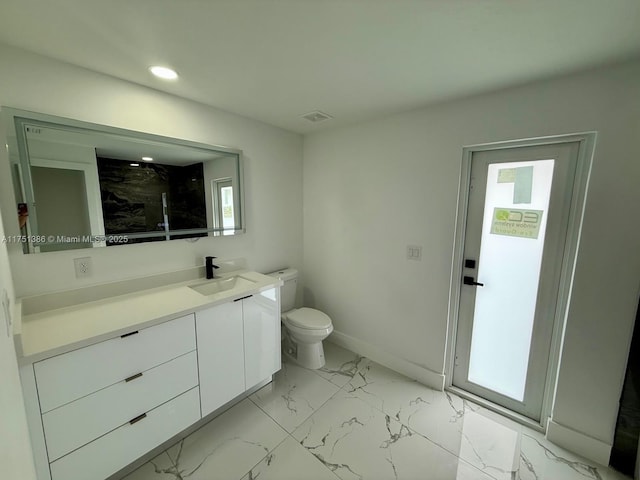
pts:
[516, 223]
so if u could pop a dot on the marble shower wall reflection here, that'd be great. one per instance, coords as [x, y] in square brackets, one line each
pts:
[132, 196]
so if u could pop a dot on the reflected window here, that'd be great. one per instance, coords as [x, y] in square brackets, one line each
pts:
[223, 201]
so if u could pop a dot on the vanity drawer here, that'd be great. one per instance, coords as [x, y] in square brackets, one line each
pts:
[78, 423]
[67, 377]
[115, 450]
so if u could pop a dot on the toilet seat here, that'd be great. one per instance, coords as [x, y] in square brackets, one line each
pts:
[308, 318]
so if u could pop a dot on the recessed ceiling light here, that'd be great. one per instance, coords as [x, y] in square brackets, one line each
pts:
[163, 72]
[134, 164]
[147, 159]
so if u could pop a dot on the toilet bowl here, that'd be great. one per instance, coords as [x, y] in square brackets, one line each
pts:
[304, 328]
[307, 328]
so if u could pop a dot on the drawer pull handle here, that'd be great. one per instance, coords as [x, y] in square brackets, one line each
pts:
[138, 418]
[128, 334]
[133, 377]
[242, 298]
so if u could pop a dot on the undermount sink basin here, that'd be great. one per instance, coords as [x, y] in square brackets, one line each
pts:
[211, 287]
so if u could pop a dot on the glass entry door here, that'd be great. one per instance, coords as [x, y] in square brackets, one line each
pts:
[516, 226]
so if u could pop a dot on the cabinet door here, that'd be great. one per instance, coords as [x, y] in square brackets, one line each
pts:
[261, 336]
[220, 355]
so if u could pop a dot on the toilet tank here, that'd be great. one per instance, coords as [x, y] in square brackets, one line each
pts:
[288, 291]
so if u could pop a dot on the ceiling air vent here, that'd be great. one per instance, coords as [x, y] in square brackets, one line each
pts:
[316, 116]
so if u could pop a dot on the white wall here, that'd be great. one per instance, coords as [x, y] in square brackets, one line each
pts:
[272, 159]
[372, 189]
[15, 451]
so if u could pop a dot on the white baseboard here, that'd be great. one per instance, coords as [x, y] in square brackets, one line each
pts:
[580, 443]
[423, 375]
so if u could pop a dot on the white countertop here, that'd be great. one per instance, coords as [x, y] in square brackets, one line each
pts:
[52, 332]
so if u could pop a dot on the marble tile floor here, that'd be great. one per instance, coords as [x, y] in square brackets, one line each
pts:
[355, 419]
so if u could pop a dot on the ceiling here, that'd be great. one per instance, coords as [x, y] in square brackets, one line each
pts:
[275, 60]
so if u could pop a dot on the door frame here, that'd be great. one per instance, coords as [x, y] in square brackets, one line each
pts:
[586, 142]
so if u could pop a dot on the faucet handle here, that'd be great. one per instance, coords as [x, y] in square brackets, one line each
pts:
[210, 267]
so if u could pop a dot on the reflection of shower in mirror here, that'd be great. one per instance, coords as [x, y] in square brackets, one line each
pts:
[81, 185]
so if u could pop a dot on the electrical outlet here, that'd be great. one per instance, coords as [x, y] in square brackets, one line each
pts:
[83, 267]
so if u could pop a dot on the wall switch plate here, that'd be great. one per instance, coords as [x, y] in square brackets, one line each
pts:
[414, 252]
[83, 267]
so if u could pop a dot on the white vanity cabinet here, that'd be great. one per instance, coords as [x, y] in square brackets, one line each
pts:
[96, 409]
[104, 405]
[238, 347]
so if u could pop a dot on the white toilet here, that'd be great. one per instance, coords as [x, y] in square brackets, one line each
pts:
[305, 328]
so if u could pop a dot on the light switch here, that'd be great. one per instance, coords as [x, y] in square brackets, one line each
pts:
[414, 252]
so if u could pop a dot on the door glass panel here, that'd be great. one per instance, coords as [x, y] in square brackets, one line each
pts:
[513, 231]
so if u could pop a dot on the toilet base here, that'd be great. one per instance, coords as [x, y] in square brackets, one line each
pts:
[307, 355]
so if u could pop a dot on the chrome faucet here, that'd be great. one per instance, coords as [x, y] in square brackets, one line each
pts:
[210, 267]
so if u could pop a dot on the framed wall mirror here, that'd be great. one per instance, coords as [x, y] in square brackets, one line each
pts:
[83, 185]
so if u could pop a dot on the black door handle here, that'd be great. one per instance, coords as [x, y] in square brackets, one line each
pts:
[471, 281]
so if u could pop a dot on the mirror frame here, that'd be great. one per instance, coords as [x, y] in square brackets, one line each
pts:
[14, 120]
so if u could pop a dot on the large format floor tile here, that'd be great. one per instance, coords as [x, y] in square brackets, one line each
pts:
[542, 460]
[358, 441]
[160, 468]
[229, 446]
[294, 394]
[460, 427]
[290, 461]
[341, 364]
